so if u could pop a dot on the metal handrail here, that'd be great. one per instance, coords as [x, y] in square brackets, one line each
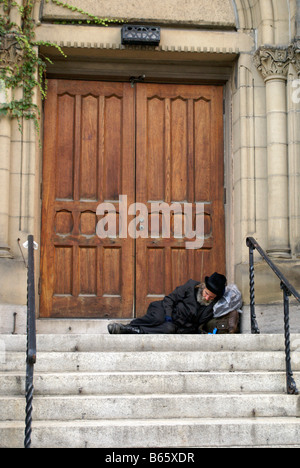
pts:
[288, 290]
[31, 342]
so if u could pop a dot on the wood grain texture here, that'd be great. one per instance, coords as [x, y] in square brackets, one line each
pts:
[88, 159]
[153, 143]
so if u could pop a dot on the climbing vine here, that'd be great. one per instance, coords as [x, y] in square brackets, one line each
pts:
[91, 19]
[21, 65]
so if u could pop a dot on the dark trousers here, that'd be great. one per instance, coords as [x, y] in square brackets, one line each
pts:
[154, 322]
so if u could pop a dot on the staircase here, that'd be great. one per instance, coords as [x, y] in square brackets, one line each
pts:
[151, 391]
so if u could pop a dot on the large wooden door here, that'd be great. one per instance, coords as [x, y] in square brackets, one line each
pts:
[179, 160]
[88, 160]
[152, 143]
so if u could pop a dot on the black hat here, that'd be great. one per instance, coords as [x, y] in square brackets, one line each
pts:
[216, 284]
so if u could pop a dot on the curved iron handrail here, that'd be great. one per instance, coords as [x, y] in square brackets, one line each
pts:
[288, 290]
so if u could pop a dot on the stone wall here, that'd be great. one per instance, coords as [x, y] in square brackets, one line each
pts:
[254, 46]
[187, 12]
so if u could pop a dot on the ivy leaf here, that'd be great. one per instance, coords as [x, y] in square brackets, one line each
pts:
[3, 111]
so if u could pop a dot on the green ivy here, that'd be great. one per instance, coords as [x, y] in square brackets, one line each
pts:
[30, 73]
[92, 18]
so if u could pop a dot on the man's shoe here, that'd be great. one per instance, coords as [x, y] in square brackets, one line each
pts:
[114, 328]
[119, 329]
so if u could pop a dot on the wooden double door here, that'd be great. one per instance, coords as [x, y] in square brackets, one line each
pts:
[110, 143]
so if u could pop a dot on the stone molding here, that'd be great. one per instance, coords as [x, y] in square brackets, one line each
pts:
[10, 51]
[274, 61]
[297, 55]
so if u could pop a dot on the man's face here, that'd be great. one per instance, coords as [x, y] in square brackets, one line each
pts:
[208, 296]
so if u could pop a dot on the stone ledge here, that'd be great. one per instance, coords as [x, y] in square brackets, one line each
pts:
[172, 40]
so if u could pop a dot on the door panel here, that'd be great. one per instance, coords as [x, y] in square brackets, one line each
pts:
[88, 160]
[179, 158]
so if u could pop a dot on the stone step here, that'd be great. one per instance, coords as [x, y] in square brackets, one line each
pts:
[155, 406]
[145, 383]
[74, 326]
[230, 361]
[139, 343]
[245, 432]
[151, 391]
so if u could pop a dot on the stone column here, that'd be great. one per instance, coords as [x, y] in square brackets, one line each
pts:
[273, 63]
[10, 54]
[294, 147]
[15, 16]
[5, 137]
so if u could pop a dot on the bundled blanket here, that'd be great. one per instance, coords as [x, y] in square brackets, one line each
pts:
[232, 300]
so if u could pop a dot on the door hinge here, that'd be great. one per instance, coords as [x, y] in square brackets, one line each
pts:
[40, 286]
[225, 196]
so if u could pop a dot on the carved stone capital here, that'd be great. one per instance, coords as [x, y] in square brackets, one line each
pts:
[297, 55]
[10, 51]
[274, 62]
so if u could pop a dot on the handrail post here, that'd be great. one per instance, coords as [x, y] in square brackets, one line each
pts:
[288, 290]
[291, 384]
[254, 325]
[31, 342]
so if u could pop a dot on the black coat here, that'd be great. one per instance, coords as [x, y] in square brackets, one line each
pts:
[179, 312]
[185, 310]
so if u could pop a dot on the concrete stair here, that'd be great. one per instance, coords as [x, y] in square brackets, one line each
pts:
[151, 391]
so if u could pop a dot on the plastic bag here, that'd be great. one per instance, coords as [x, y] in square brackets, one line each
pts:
[232, 300]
